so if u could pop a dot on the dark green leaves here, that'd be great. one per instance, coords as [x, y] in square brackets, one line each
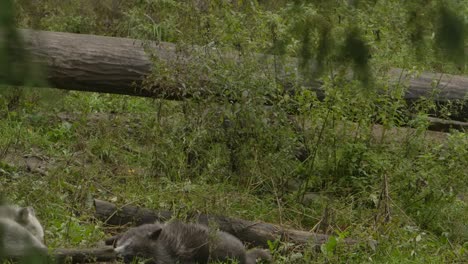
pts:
[450, 35]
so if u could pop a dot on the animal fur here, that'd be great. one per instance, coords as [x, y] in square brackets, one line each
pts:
[20, 232]
[26, 217]
[178, 242]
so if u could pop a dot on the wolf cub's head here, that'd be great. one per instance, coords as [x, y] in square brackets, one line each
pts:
[138, 242]
[24, 216]
[27, 218]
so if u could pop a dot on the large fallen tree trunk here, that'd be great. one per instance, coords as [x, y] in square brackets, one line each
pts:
[255, 233]
[118, 65]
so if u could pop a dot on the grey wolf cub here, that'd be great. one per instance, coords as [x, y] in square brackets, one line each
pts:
[178, 242]
[20, 232]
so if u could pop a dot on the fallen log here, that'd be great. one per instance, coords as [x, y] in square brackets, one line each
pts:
[437, 124]
[68, 255]
[84, 255]
[254, 233]
[119, 65]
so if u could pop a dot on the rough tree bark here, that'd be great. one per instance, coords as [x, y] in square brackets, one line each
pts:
[118, 65]
[68, 256]
[254, 233]
[84, 255]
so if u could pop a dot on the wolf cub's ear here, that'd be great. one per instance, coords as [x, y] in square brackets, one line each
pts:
[155, 234]
[31, 210]
[24, 213]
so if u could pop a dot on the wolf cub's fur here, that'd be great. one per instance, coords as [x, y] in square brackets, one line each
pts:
[20, 231]
[178, 242]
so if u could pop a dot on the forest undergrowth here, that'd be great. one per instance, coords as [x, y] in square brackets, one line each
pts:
[259, 145]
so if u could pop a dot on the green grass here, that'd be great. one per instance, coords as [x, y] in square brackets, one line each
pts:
[322, 170]
[134, 151]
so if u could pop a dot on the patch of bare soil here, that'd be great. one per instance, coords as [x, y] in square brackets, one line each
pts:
[27, 163]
